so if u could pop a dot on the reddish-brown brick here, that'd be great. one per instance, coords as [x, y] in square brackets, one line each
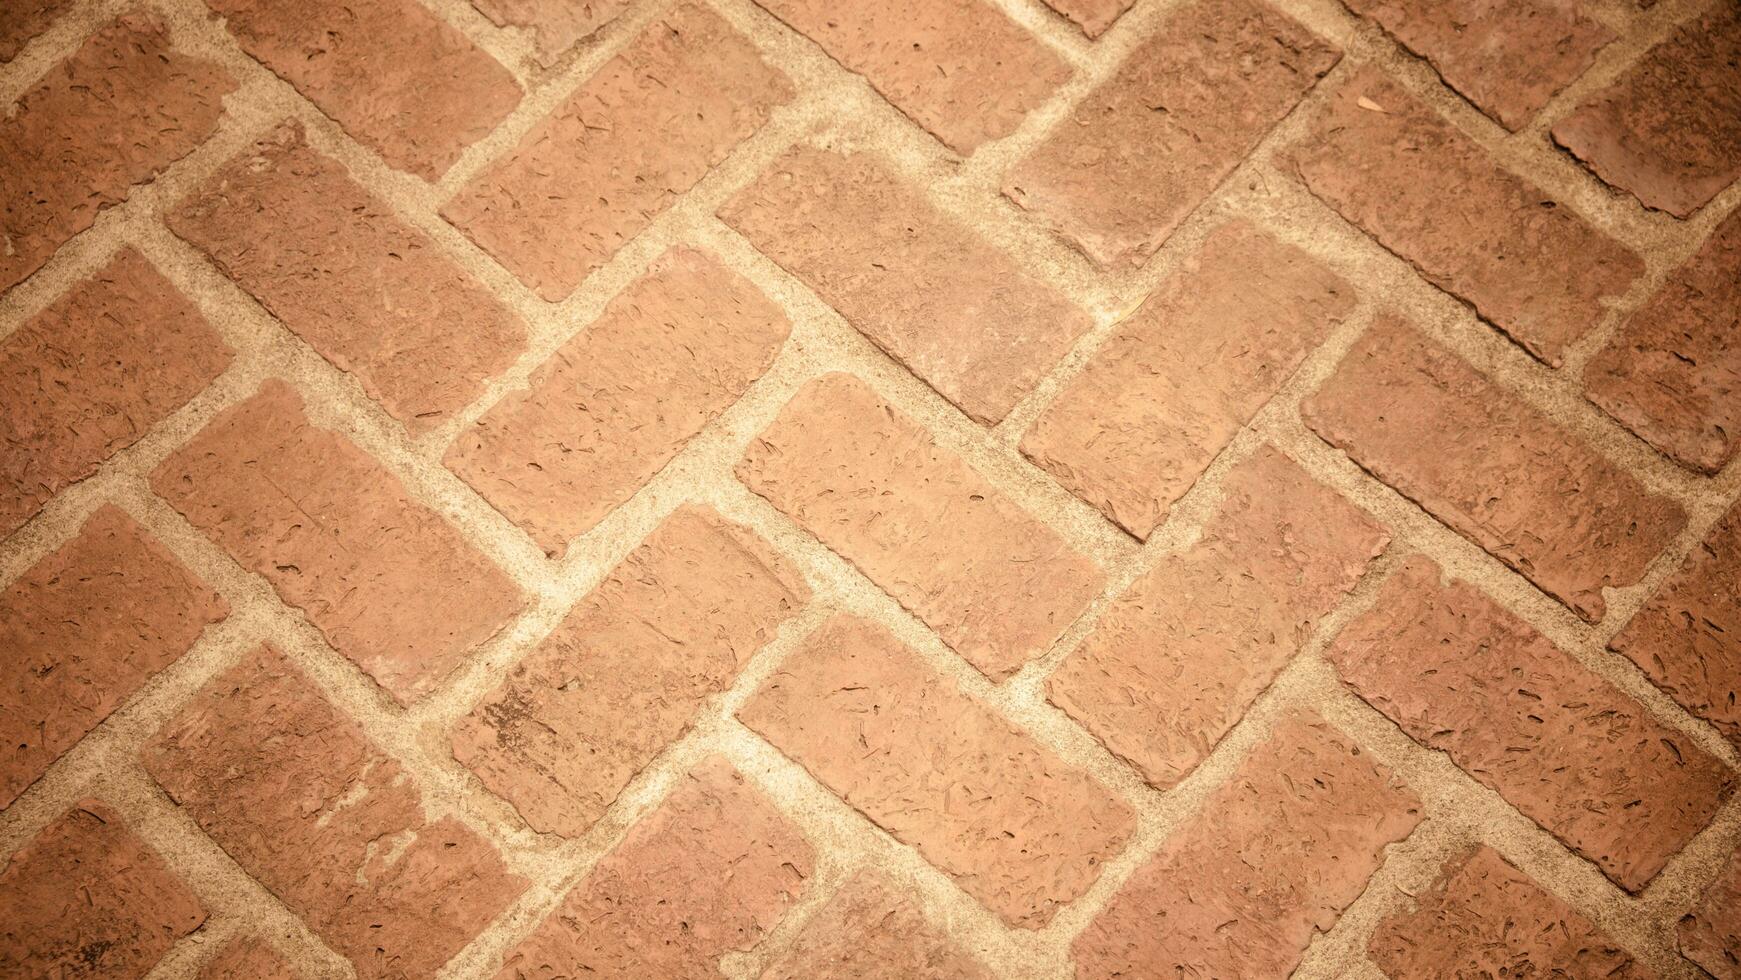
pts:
[1464, 676]
[994, 582]
[306, 804]
[611, 407]
[1118, 174]
[390, 583]
[247, 959]
[556, 25]
[86, 377]
[1485, 918]
[958, 313]
[1179, 378]
[1497, 471]
[25, 19]
[643, 130]
[1175, 662]
[1710, 935]
[873, 930]
[626, 672]
[708, 873]
[1011, 822]
[119, 110]
[1274, 856]
[372, 295]
[1093, 16]
[398, 78]
[86, 898]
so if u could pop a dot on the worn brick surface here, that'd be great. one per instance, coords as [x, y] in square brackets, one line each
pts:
[556, 25]
[995, 583]
[1119, 173]
[1093, 16]
[25, 19]
[872, 930]
[389, 582]
[1710, 935]
[247, 959]
[611, 407]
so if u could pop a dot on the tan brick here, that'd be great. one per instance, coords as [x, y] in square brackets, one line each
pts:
[556, 25]
[25, 19]
[1461, 675]
[637, 134]
[1014, 825]
[709, 872]
[1118, 174]
[994, 582]
[247, 959]
[626, 672]
[86, 377]
[612, 406]
[1273, 857]
[1710, 935]
[372, 295]
[1177, 661]
[1527, 264]
[1497, 471]
[306, 804]
[1178, 379]
[873, 930]
[390, 583]
[1093, 16]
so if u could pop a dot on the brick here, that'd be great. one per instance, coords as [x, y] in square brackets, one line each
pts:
[1014, 826]
[709, 872]
[1139, 153]
[959, 68]
[90, 374]
[82, 630]
[1463, 676]
[316, 812]
[1508, 57]
[1093, 16]
[1672, 373]
[1497, 471]
[1528, 265]
[1710, 935]
[873, 930]
[627, 671]
[247, 959]
[118, 111]
[389, 583]
[25, 20]
[372, 295]
[612, 406]
[1176, 662]
[86, 898]
[556, 25]
[1668, 131]
[999, 586]
[640, 132]
[1485, 918]
[396, 77]
[1177, 380]
[1275, 855]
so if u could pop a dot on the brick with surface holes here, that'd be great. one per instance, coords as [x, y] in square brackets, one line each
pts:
[25, 19]
[872, 929]
[247, 959]
[1093, 16]
[1710, 934]
[556, 25]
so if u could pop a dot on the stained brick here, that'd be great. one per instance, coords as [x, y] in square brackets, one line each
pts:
[1119, 173]
[708, 873]
[391, 585]
[611, 407]
[247, 959]
[25, 19]
[1527, 264]
[873, 930]
[556, 25]
[86, 377]
[1093, 16]
[1461, 675]
[1496, 470]
[306, 804]
[1274, 856]
[625, 673]
[1176, 662]
[1170, 389]
[1710, 935]
[641, 131]
[1017, 828]
[994, 582]
[374, 296]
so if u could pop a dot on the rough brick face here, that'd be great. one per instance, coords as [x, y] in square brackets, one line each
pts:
[1275, 855]
[995, 583]
[1497, 471]
[977, 797]
[373, 296]
[388, 581]
[624, 674]
[611, 407]
[25, 19]
[873, 930]
[1118, 174]
[1093, 16]
[247, 959]
[709, 872]
[556, 25]
[642, 130]
[1580, 758]
[1170, 389]
[306, 804]
[1710, 935]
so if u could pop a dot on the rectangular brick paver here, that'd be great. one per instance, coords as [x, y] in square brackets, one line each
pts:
[872, 929]
[1710, 935]
[1093, 16]
[556, 25]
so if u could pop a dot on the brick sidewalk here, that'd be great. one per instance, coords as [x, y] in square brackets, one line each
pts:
[805, 489]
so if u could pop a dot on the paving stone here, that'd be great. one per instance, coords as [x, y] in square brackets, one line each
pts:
[1710, 935]
[556, 25]
[873, 930]
[247, 959]
[25, 20]
[1093, 16]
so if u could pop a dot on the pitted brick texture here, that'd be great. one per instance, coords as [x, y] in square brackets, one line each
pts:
[556, 25]
[25, 19]
[1710, 935]
[1093, 16]
[247, 959]
[872, 930]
